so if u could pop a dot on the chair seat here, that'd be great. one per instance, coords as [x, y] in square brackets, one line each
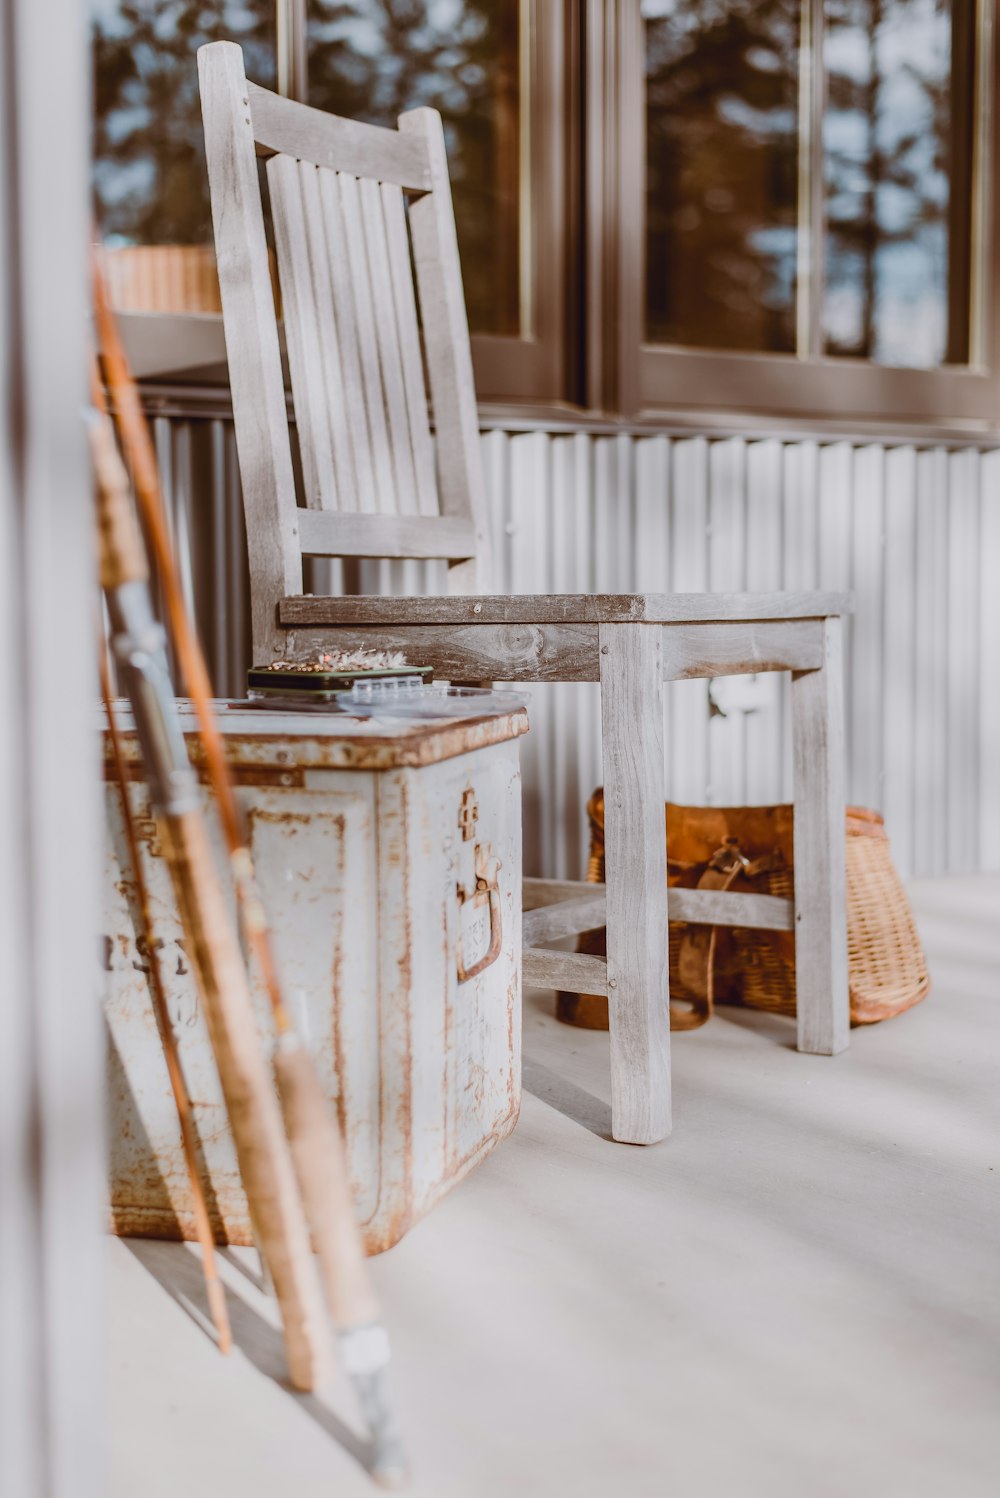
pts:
[565, 608]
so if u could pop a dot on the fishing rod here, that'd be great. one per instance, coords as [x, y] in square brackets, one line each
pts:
[138, 643]
[313, 1133]
[214, 1291]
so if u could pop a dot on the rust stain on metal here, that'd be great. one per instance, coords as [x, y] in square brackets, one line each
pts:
[407, 745]
[420, 1070]
[404, 1108]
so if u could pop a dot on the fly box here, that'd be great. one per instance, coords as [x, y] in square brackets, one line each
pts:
[388, 852]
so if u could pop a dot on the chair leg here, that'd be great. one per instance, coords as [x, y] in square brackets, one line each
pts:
[820, 905]
[636, 875]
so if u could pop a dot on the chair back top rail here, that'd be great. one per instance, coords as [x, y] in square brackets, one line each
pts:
[284, 127]
[375, 321]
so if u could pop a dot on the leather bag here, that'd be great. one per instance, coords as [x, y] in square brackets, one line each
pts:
[749, 849]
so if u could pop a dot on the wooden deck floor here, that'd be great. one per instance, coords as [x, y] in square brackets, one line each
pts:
[797, 1296]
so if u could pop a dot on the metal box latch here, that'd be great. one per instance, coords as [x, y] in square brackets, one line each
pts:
[480, 919]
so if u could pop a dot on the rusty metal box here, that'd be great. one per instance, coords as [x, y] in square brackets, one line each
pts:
[389, 855]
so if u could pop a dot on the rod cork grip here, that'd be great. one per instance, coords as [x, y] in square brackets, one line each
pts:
[262, 1150]
[321, 1169]
[121, 552]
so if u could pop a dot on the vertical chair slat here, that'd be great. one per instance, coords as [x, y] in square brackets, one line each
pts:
[387, 338]
[301, 334]
[449, 353]
[350, 202]
[328, 334]
[355, 407]
[400, 266]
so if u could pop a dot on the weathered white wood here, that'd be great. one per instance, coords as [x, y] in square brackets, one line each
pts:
[363, 301]
[693, 650]
[540, 892]
[576, 608]
[575, 971]
[326, 533]
[551, 922]
[387, 340]
[251, 340]
[708, 907]
[449, 353]
[328, 335]
[546, 637]
[492, 652]
[345, 312]
[820, 912]
[302, 331]
[326, 140]
[561, 908]
[404, 302]
[636, 873]
[989, 667]
[899, 665]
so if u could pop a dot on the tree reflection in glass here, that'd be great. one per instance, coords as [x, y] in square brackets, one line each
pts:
[726, 187]
[722, 172]
[372, 59]
[150, 178]
[898, 152]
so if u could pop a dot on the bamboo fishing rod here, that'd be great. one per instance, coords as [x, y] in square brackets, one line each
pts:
[214, 1291]
[317, 1148]
[138, 642]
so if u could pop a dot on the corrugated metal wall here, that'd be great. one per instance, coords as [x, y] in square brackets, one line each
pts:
[915, 534]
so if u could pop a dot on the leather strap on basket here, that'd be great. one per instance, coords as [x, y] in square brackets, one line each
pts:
[699, 944]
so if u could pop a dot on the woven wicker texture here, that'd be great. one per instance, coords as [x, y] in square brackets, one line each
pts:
[887, 968]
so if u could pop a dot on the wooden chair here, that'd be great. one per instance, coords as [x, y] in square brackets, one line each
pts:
[365, 233]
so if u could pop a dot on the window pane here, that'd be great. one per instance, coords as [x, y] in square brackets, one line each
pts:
[149, 156]
[722, 172]
[898, 181]
[372, 59]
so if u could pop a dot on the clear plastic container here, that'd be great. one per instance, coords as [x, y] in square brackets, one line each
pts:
[408, 697]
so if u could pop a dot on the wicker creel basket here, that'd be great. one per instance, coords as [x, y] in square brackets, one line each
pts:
[887, 969]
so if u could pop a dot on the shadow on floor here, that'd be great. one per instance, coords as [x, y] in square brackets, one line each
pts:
[178, 1271]
[566, 1097]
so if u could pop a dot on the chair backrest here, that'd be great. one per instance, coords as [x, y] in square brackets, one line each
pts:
[364, 231]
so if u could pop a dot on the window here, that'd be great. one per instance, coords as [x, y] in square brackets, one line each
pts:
[739, 207]
[815, 204]
[150, 181]
[494, 68]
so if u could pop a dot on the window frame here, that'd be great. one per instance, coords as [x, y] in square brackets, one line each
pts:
[533, 367]
[640, 379]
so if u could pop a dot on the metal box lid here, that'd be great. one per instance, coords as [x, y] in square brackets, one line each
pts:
[266, 738]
